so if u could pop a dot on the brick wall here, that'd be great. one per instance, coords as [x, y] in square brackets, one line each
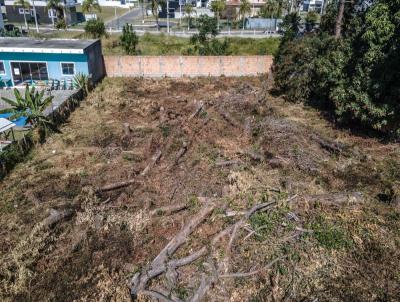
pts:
[192, 66]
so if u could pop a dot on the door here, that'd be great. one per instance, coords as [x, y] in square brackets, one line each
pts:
[26, 72]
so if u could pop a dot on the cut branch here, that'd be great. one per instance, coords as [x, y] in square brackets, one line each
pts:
[254, 272]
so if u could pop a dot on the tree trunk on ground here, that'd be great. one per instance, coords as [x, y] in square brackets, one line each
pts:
[339, 20]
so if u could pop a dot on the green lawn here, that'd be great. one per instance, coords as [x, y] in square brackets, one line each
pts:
[107, 13]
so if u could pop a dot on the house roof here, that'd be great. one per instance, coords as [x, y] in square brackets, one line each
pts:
[68, 46]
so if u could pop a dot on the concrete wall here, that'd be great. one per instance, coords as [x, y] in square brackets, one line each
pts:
[192, 66]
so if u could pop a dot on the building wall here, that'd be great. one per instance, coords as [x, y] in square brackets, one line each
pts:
[191, 66]
[95, 61]
[53, 62]
[42, 14]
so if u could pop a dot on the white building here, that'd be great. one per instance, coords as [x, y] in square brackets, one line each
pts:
[312, 5]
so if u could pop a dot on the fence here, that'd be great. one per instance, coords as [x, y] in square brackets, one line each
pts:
[190, 66]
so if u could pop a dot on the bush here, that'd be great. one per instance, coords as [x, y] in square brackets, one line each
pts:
[61, 24]
[95, 28]
[129, 39]
[205, 42]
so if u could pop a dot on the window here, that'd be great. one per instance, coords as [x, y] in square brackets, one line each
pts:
[68, 68]
[2, 69]
[52, 13]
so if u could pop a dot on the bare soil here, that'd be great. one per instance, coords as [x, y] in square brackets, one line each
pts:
[332, 232]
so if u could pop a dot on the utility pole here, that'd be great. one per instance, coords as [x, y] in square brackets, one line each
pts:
[34, 12]
[115, 15]
[168, 16]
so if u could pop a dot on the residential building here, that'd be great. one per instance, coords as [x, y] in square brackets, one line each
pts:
[312, 5]
[1, 20]
[44, 15]
[25, 60]
[255, 5]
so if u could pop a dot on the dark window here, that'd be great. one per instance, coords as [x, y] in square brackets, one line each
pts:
[67, 68]
[2, 69]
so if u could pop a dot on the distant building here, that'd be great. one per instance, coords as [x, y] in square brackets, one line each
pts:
[116, 3]
[25, 60]
[312, 5]
[255, 5]
[1, 20]
[44, 15]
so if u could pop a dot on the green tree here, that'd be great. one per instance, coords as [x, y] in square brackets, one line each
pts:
[95, 28]
[269, 9]
[57, 7]
[89, 6]
[129, 40]
[189, 10]
[205, 42]
[155, 6]
[354, 75]
[244, 9]
[32, 106]
[217, 6]
[25, 5]
[311, 20]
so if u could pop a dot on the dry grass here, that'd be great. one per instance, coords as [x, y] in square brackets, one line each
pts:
[350, 254]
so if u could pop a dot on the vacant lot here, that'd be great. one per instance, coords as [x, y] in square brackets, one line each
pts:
[145, 164]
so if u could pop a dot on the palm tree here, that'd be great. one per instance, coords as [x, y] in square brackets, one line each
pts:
[154, 10]
[244, 9]
[189, 11]
[25, 5]
[89, 6]
[217, 6]
[31, 106]
[55, 6]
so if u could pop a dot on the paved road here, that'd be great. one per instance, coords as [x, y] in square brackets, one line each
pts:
[128, 17]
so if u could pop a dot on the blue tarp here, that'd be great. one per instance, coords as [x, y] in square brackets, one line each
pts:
[21, 122]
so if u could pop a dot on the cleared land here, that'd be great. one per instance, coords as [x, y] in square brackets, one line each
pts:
[196, 156]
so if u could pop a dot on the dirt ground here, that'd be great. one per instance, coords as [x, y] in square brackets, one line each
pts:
[201, 151]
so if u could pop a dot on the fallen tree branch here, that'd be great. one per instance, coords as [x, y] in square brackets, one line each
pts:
[228, 118]
[168, 210]
[227, 163]
[332, 147]
[197, 111]
[117, 185]
[337, 198]
[160, 263]
[55, 217]
[155, 158]
[252, 273]
[156, 295]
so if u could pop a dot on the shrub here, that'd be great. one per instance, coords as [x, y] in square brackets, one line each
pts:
[205, 42]
[95, 28]
[129, 39]
[61, 24]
